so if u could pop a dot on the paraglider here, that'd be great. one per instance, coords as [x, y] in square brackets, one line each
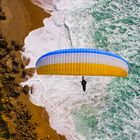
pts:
[83, 83]
[82, 61]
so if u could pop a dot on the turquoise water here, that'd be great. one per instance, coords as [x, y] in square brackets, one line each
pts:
[116, 27]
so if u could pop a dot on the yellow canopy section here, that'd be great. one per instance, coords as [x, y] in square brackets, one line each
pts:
[82, 61]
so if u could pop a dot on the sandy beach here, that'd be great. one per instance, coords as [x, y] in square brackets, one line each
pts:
[22, 17]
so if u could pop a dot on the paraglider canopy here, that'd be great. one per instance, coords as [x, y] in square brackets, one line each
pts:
[82, 61]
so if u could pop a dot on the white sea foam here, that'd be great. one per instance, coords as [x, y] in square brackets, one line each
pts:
[61, 95]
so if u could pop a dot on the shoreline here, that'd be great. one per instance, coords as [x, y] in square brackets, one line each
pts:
[15, 29]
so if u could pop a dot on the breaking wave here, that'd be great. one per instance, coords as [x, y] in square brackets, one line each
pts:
[110, 108]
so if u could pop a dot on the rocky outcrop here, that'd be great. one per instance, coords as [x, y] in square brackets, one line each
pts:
[13, 112]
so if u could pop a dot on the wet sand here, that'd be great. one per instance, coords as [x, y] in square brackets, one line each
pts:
[22, 17]
[40, 116]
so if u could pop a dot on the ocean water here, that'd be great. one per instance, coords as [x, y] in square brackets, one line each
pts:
[110, 107]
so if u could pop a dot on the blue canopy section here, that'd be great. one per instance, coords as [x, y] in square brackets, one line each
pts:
[81, 50]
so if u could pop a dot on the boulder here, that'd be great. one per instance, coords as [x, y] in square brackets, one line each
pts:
[15, 46]
[2, 16]
[26, 89]
[25, 61]
[15, 62]
[23, 74]
[3, 43]
[30, 72]
[16, 69]
[12, 54]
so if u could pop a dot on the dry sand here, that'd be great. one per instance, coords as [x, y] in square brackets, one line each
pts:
[22, 17]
